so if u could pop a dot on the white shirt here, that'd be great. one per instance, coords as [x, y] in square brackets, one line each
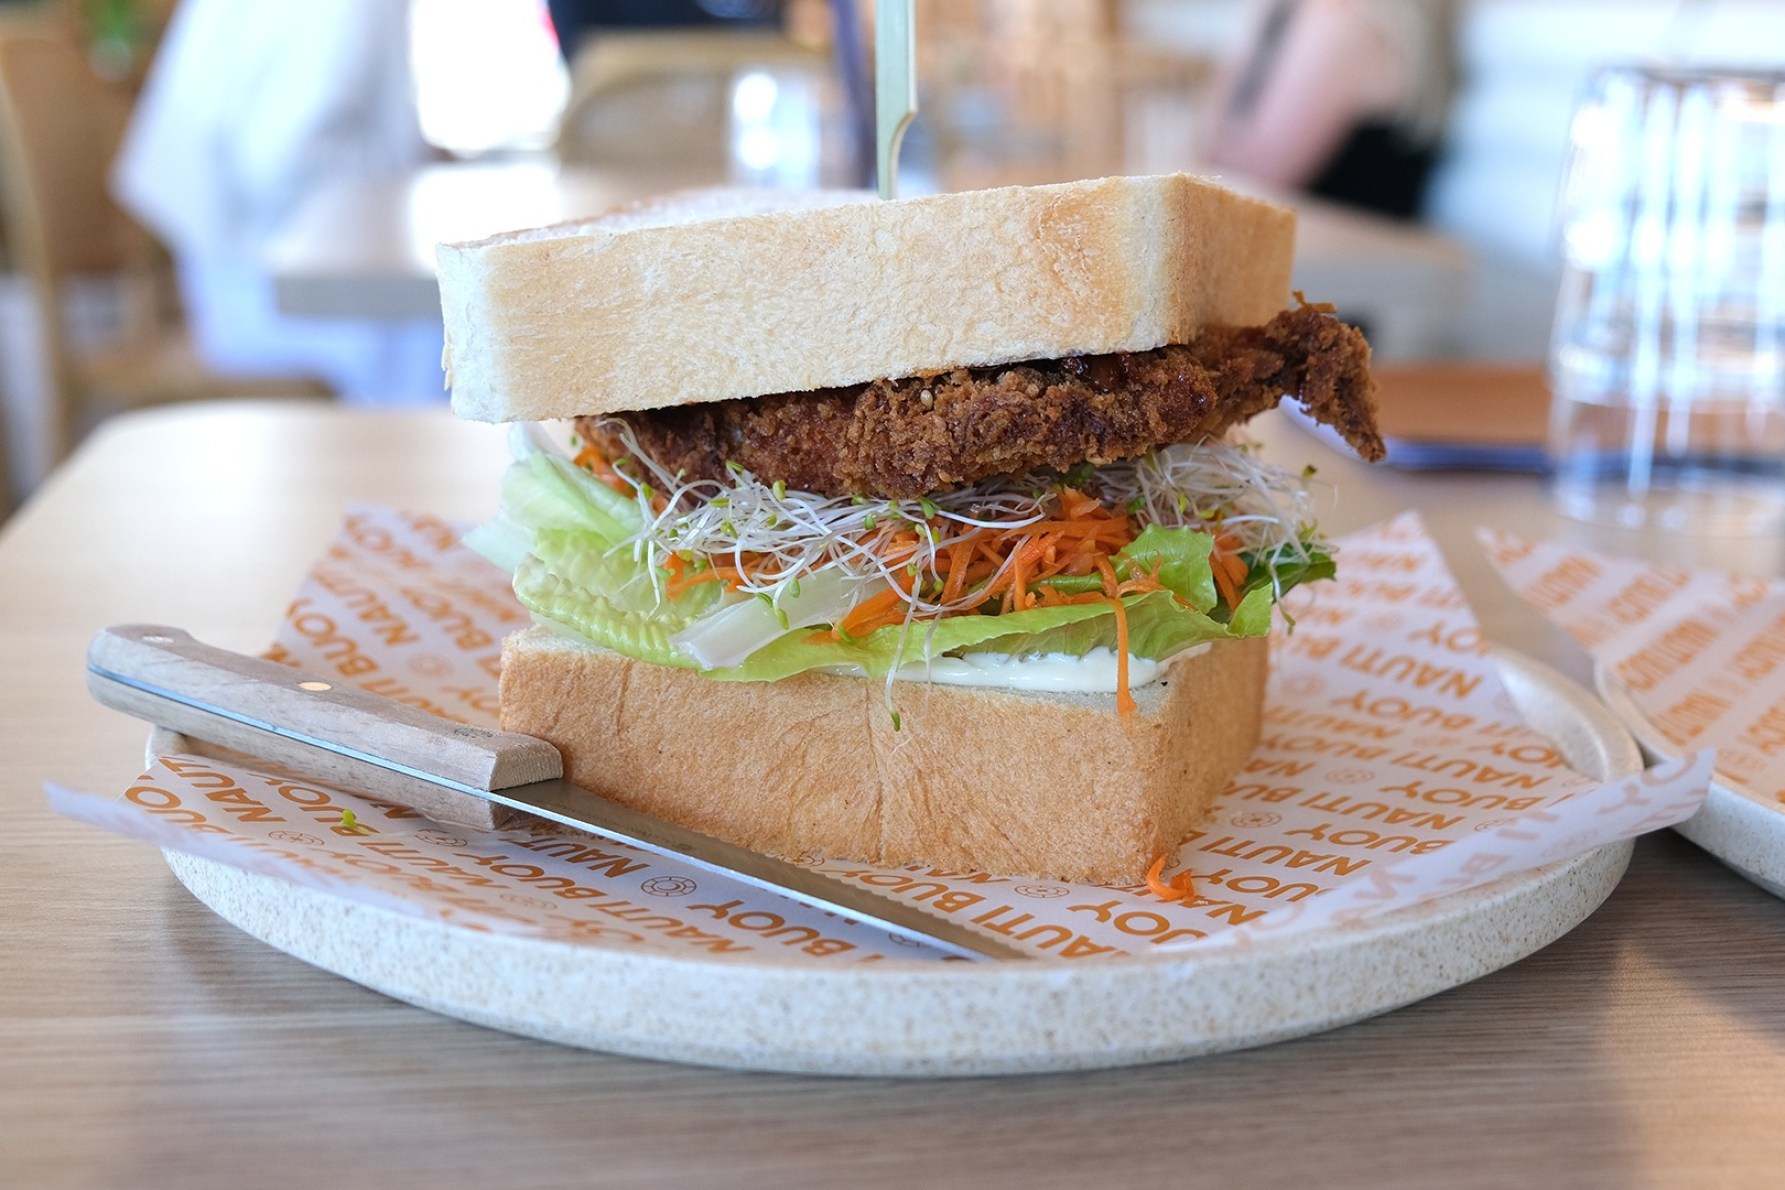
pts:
[249, 107]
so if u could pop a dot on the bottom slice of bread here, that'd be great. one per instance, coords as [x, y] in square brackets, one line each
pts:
[1047, 785]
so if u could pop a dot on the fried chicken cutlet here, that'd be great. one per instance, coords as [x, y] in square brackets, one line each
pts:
[907, 437]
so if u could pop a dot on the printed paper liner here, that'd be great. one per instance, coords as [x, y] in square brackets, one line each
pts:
[1740, 827]
[767, 1011]
[1687, 659]
[1395, 801]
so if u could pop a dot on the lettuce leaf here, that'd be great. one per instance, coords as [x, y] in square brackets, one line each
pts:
[559, 528]
[1158, 626]
[579, 612]
[546, 491]
[1287, 573]
[1181, 557]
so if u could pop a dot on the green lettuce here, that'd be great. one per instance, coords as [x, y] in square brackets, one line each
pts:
[545, 491]
[565, 536]
[580, 612]
[1160, 623]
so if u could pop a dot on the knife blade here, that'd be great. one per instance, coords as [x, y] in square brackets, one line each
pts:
[450, 771]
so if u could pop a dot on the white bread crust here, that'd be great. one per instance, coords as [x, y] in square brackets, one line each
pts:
[1044, 785]
[710, 295]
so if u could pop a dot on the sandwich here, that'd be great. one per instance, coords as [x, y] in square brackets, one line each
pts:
[909, 532]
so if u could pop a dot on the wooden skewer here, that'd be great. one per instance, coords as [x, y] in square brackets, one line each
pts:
[895, 86]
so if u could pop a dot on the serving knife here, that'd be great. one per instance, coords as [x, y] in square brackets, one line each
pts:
[449, 771]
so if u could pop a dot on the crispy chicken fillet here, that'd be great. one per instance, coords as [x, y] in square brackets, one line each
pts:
[904, 438]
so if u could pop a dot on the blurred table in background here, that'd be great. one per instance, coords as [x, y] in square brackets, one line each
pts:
[1406, 285]
[365, 249]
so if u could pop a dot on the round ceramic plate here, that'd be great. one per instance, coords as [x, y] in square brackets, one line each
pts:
[1743, 829]
[925, 1018]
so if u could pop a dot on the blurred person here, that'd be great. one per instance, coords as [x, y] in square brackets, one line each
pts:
[1342, 99]
[248, 109]
[574, 20]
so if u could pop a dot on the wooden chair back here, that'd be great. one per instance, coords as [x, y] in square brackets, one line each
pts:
[60, 128]
[6, 492]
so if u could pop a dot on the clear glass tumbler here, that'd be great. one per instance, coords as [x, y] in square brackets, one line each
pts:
[1668, 356]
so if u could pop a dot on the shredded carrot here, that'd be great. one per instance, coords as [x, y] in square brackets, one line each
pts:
[1116, 530]
[1224, 584]
[1140, 584]
[1153, 884]
[1052, 596]
[996, 588]
[597, 464]
[1111, 585]
[982, 569]
[959, 555]
[868, 610]
[731, 576]
[1082, 561]
[682, 580]
[1229, 568]
[1077, 504]
[1124, 699]
[891, 618]
[1179, 889]
[978, 572]
[900, 548]
[1019, 575]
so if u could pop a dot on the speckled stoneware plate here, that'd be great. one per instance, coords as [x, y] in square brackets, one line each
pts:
[912, 1018]
[1740, 827]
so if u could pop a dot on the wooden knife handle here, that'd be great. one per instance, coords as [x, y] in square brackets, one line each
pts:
[333, 732]
[316, 725]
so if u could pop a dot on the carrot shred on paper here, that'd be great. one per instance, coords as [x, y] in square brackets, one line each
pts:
[1179, 888]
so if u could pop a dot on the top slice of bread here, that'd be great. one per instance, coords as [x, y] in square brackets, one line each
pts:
[709, 295]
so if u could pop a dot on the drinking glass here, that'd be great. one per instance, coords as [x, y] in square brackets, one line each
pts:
[1668, 356]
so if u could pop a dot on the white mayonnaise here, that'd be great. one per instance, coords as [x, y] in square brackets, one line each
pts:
[1093, 673]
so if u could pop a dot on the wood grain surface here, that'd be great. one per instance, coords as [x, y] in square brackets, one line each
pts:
[1476, 405]
[163, 675]
[144, 1043]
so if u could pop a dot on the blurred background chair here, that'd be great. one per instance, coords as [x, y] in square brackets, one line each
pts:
[6, 488]
[60, 127]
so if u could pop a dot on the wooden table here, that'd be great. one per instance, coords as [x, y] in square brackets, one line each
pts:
[145, 1043]
[364, 248]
